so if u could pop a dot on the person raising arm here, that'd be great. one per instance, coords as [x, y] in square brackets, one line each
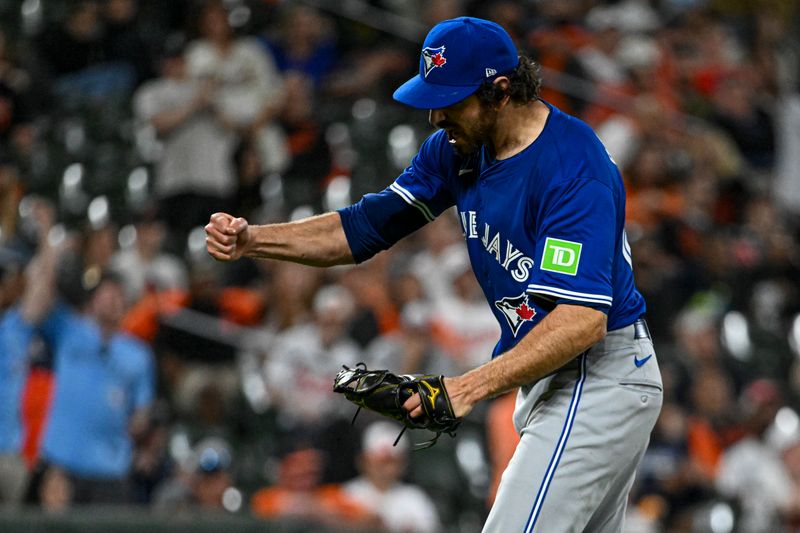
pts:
[542, 210]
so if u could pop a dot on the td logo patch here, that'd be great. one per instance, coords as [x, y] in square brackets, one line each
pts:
[561, 256]
[516, 310]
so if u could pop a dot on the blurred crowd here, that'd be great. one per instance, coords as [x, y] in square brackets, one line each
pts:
[136, 370]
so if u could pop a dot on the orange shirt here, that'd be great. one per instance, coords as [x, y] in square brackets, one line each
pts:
[327, 500]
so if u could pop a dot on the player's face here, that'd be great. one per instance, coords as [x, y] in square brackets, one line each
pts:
[468, 124]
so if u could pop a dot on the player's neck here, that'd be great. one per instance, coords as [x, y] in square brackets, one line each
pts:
[518, 126]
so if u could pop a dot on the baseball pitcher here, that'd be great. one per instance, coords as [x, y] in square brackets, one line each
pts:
[542, 208]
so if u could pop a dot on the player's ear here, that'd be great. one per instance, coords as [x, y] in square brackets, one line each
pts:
[503, 84]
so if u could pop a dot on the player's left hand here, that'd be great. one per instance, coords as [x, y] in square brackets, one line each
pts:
[456, 391]
[383, 391]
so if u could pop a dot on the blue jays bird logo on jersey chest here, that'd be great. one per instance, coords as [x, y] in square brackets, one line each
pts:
[516, 311]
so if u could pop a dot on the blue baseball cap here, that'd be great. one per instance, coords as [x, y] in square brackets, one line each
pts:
[458, 55]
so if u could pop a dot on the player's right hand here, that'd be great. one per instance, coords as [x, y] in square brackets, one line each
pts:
[227, 237]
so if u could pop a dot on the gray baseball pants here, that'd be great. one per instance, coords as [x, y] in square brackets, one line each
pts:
[584, 430]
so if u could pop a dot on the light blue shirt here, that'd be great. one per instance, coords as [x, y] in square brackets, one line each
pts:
[15, 338]
[97, 388]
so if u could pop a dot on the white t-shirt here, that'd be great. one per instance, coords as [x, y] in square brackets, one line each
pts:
[473, 325]
[753, 472]
[247, 77]
[299, 370]
[248, 81]
[403, 508]
[197, 156]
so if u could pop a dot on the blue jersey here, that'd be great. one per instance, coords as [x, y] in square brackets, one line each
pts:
[543, 227]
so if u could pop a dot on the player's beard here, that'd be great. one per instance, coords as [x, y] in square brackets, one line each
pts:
[470, 137]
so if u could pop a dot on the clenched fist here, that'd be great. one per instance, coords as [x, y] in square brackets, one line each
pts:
[227, 237]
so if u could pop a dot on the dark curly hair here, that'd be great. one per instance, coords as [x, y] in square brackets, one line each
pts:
[524, 84]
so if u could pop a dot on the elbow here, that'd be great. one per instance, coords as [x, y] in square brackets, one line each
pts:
[598, 322]
[587, 324]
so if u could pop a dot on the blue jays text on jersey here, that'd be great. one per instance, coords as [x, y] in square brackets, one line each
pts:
[543, 227]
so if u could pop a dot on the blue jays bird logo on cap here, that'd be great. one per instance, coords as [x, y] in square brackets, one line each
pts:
[434, 58]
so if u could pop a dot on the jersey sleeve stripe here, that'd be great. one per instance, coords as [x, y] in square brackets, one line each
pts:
[627, 255]
[626, 249]
[410, 200]
[571, 295]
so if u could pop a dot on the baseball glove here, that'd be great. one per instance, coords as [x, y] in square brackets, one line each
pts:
[385, 393]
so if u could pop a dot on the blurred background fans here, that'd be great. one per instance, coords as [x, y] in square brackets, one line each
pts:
[125, 123]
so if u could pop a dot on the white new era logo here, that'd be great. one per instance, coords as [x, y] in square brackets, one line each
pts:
[490, 72]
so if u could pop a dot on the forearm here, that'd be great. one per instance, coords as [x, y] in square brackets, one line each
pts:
[40, 288]
[563, 334]
[166, 121]
[315, 241]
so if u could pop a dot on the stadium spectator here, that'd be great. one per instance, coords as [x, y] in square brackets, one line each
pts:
[194, 173]
[712, 425]
[738, 111]
[74, 54]
[144, 266]
[196, 342]
[16, 110]
[402, 507]
[152, 462]
[411, 348]
[247, 92]
[438, 238]
[25, 356]
[74, 43]
[11, 191]
[104, 383]
[670, 480]
[303, 359]
[87, 259]
[304, 44]
[463, 326]
[751, 470]
[14, 254]
[371, 286]
[201, 482]
[310, 165]
[299, 494]
[597, 60]
[16, 336]
[289, 293]
[124, 40]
